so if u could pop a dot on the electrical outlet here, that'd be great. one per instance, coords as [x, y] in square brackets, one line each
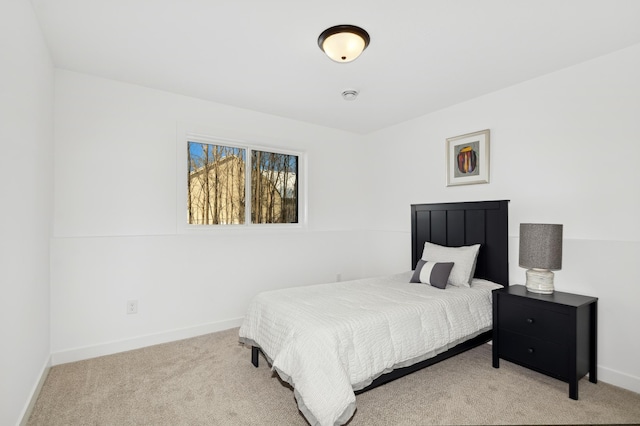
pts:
[132, 306]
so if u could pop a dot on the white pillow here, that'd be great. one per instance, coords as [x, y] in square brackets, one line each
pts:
[463, 258]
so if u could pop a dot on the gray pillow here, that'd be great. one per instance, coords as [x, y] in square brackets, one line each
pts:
[433, 273]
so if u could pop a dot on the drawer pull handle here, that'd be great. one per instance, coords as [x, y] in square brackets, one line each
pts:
[529, 320]
[530, 350]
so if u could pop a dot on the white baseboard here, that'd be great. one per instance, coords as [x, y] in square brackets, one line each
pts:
[78, 354]
[26, 413]
[619, 379]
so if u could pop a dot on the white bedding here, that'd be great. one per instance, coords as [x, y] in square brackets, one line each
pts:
[331, 339]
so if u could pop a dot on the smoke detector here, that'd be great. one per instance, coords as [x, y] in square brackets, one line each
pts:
[349, 95]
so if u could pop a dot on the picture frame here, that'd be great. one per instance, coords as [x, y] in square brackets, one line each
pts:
[468, 158]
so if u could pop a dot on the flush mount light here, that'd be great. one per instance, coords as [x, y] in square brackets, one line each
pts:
[343, 43]
[350, 95]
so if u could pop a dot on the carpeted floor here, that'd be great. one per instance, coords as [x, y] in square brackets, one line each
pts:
[209, 380]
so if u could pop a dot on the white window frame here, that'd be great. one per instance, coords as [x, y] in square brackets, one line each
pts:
[219, 137]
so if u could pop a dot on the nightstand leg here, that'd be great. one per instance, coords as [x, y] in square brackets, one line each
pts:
[593, 344]
[573, 390]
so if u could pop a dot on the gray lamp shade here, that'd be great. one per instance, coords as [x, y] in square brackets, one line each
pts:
[540, 246]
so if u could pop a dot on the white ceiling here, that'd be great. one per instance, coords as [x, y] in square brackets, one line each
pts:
[424, 55]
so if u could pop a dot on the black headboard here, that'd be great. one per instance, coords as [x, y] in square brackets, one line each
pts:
[461, 224]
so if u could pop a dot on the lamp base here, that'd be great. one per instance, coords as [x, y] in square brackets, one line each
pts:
[540, 281]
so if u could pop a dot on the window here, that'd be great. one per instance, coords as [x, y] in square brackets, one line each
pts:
[223, 188]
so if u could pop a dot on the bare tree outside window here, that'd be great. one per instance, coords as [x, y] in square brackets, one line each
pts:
[274, 187]
[216, 186]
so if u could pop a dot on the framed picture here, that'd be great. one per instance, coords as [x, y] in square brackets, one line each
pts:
[468, 159]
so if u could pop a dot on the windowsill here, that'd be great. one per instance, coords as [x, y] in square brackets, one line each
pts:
[239, 229]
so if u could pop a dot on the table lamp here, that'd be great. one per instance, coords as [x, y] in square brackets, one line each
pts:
[540, 252]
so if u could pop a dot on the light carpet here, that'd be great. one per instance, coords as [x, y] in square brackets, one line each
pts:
[209, 380]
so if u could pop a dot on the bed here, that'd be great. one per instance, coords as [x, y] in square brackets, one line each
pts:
[333, 341]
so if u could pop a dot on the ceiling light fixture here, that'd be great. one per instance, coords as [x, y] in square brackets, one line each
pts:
[350, 95]
[343, 43]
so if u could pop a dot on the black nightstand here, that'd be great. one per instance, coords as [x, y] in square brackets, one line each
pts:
[554, 334]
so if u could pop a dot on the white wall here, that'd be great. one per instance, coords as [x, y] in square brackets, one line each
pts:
[115, 229]
[564, 149]
[26, 172]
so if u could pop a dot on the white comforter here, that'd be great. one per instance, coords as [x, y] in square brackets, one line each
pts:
[331, 339]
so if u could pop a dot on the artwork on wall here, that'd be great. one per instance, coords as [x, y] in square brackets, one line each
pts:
[468, 159]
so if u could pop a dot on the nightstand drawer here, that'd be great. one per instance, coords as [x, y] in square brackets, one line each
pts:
[533, 321]
[541, 355]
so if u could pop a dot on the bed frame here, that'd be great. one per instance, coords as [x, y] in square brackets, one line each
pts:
[453, 225]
